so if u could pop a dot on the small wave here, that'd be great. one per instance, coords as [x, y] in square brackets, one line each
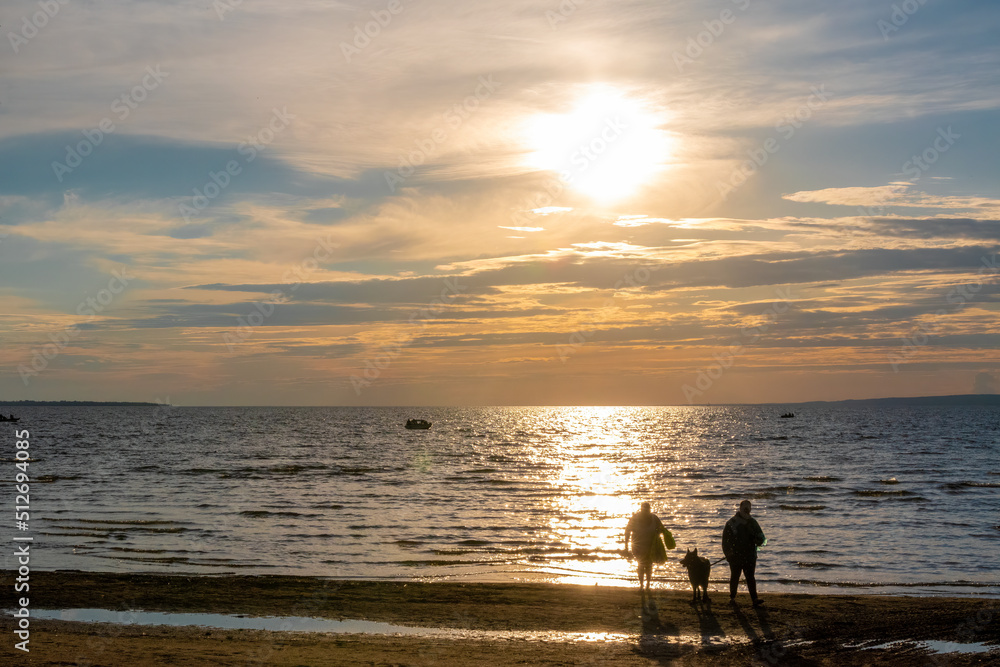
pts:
[802, 508]
[245, 473]
[174, 560]
[891, 480]
[800, 489]
[958, 486]
[127, 522]
[105, 531]
[437, 563]
[755, 495]
[824, 478]
[818, 566]
[408, 543]
[294, 469]
[257, 514]
[356, 470]
[875, 493]
[884, 584]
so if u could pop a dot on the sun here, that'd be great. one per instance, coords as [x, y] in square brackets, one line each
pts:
[607, 147]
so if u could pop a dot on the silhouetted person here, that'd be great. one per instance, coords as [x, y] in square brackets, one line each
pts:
[644, 529]
[740, 539]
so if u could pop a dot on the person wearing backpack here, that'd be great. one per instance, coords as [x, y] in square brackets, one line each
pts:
[741, 538]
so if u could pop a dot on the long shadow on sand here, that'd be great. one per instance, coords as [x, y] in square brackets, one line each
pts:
[661, 640]
[656, 641]
[651, 622]
[708, 623]
[768, 648]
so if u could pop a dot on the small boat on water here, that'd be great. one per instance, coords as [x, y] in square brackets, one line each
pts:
[788, 415]
[417, 423]
[11, 419]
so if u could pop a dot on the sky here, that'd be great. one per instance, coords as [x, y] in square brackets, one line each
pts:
[418, 202]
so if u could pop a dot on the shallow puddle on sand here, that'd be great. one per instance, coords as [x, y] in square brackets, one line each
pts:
[353, 626]
[933, 645]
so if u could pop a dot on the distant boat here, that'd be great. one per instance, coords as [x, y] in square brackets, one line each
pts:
[12, 418]
[788, 415]
[417, 423]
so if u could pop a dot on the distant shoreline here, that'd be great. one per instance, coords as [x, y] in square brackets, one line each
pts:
[974, 400]
[937, 401]
[79, 403]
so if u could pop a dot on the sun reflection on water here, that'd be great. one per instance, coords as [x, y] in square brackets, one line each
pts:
[602, 473]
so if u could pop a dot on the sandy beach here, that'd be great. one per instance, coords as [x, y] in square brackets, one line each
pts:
[496, 624]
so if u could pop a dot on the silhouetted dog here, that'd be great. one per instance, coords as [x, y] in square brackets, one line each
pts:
[698, 570]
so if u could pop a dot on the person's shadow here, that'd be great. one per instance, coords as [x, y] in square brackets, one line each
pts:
[744, 622]
[650, 616]
[708, 623]
[656, 642]
[765, 627]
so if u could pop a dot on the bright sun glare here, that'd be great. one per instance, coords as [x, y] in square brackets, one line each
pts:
[608, 146]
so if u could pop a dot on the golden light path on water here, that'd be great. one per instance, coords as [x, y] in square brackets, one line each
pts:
[604, 473]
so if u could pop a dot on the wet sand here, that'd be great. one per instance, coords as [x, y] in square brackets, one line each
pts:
[794, 629]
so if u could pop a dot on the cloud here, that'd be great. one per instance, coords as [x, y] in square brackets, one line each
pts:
[881, 198]
[986, 383]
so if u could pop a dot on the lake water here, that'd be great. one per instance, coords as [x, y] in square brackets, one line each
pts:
[900, 500]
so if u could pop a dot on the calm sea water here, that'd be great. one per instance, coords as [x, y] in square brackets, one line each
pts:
[878, 500]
